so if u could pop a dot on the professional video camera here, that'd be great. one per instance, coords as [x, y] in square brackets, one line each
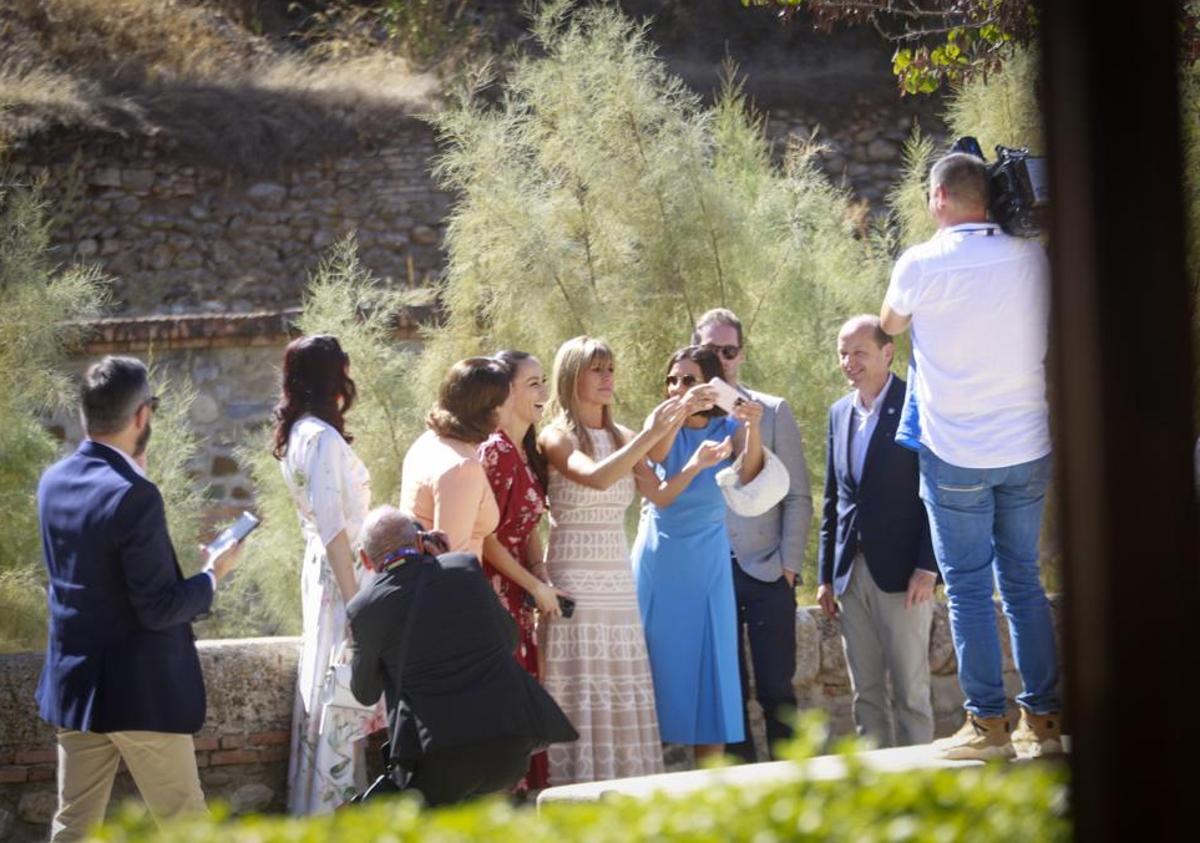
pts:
[1019, 186]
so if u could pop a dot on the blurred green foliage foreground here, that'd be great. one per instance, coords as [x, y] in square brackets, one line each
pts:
[999, 802]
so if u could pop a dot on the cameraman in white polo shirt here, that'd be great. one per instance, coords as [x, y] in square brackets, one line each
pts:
[978, 303]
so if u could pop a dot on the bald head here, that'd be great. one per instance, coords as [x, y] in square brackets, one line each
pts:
[867, 323]
[387, 529]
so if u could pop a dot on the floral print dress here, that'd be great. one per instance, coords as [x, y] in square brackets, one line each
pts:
[522, 500]
[331, 489]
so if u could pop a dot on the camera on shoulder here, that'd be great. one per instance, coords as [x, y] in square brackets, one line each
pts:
[1019, 186]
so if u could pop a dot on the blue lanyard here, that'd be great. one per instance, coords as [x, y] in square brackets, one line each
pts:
[399, 557]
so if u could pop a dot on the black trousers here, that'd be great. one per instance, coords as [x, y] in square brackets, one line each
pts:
[456, 774]
[766, 613]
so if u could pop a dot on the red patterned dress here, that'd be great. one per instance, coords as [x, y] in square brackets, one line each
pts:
[522, 500]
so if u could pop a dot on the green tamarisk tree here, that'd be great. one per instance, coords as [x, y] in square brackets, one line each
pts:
[599, 195]
[36, 299]
[44, 310]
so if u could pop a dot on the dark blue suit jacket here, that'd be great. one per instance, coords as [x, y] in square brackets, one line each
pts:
[121, 654]
[883, 510]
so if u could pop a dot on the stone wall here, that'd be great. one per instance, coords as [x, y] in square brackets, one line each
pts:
[233, 362]
[242, 751]
[184, 238]
[865, 150]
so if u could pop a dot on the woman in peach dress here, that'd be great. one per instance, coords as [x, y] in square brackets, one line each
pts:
[443, 482]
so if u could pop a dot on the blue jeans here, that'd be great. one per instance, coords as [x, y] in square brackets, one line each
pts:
[985, 524]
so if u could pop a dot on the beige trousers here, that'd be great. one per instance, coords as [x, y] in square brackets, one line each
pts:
[884, 640]
[163, 767]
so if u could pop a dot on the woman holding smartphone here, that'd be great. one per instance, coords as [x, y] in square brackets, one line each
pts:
[681, 563]
[595, 662]
[512, 556]
[331, 490]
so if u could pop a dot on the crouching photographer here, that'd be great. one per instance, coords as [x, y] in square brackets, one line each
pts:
[429, 633]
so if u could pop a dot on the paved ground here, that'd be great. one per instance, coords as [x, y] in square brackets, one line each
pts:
[825, 767]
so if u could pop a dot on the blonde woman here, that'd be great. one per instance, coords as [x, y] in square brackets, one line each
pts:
[596, 666]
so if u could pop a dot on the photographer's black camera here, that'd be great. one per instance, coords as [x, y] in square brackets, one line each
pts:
[1019, 187]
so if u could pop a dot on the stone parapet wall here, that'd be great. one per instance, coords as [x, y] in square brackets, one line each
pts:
[242, 750]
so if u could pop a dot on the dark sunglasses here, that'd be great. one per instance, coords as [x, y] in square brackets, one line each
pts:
[152, 403]
[686, 380]
[729, 352]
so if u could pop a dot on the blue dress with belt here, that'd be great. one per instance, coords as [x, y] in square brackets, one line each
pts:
[685, 594]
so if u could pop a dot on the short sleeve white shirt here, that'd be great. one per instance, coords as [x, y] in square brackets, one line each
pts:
[979, 302]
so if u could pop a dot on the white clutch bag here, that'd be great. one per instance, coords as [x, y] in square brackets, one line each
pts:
[761, 493]
[337, 684]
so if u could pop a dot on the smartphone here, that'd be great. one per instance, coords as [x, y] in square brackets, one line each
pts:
[232, 534]
[566, 604]
[726, 397]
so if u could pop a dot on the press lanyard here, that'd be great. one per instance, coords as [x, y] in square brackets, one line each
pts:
[988, 230]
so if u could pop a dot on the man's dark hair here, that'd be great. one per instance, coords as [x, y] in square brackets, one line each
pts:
[112, 392]
[964, 177]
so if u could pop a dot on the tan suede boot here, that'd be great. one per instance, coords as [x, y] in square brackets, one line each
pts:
[980, 738]
[1038, 735]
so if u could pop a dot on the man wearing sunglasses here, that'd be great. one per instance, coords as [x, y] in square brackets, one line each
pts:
[768, 550]
[121, 679]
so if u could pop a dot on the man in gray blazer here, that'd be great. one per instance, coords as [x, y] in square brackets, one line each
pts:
[767, 550]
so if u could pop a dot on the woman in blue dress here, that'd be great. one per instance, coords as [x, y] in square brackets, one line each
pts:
[681, 561]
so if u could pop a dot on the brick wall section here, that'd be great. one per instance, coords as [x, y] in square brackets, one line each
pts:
[124, 335]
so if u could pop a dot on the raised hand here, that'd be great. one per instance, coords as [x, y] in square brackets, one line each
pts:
[748, 412]
[710, 453]
[699, 398]
[667, 415]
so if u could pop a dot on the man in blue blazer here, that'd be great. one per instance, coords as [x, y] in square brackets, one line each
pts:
[122, 677]
[876, 556]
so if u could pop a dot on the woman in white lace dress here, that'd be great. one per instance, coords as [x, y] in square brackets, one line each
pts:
[596, 666]
[331, 489]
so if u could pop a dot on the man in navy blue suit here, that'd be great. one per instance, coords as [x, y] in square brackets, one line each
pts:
[122, 677]
[876, 557]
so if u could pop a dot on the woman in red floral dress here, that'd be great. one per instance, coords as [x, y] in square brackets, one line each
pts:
[517, 471]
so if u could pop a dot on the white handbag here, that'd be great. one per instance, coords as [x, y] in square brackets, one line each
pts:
[761, 493]
[337, 683]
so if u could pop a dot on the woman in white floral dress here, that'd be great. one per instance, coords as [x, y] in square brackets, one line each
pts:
[331, 489]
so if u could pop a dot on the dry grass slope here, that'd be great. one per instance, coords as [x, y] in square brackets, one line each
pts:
[195, 77]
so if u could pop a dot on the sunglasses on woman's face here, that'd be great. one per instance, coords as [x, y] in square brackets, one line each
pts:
[685, 380]
[729, 352]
